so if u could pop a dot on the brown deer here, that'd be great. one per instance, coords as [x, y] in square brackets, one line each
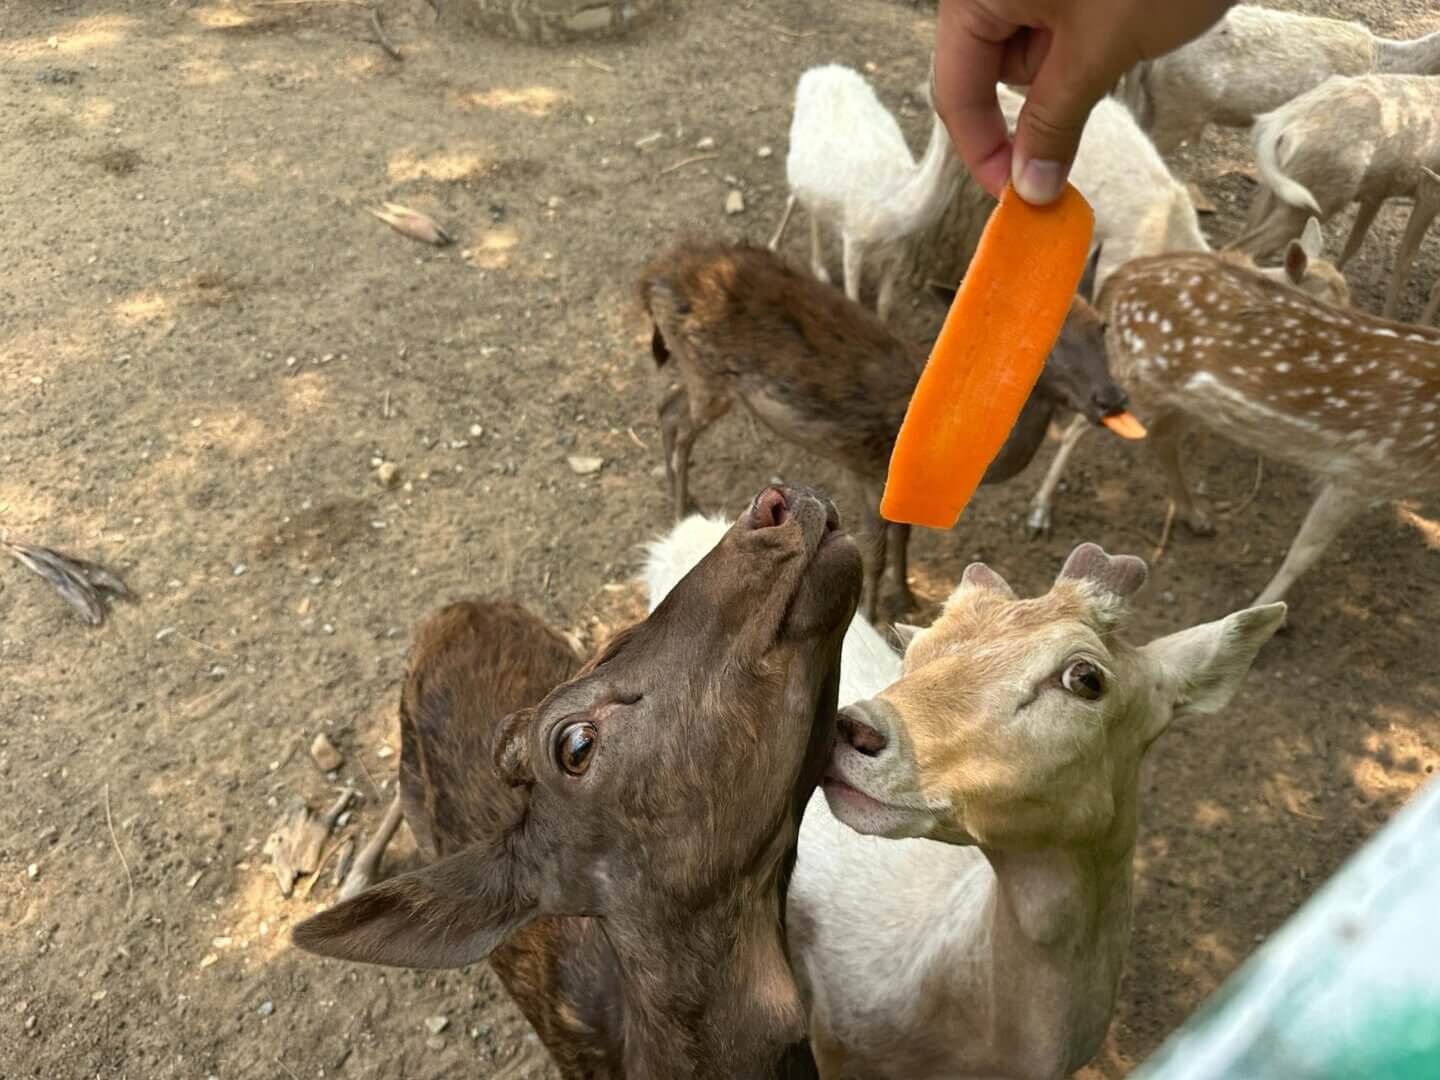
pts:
[824, 373]
[622, 848]
[1352, 399]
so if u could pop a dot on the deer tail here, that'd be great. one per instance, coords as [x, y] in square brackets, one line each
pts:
[1270, 132]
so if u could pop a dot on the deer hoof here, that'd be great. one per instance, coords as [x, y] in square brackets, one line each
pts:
[1038, 523]
[1199, 524]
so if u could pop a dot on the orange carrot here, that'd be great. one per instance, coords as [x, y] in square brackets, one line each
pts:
[1002, 324]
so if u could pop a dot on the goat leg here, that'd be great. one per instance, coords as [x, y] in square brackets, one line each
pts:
[366, 868]
[774, 244]
[1038, 521]
[1333, 509]
[817, 250]
[854, 264]
[1166, 435]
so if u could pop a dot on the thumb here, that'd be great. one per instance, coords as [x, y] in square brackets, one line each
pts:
[1052, 121]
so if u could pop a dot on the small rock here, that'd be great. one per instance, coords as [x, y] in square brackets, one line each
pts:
[239, 569]
[303, 608]
[476, 431]
[764, 152]
[707, 143]
[437, 1024]
[384, 752]
[388, 474]
[30, 1022]
[435, 1042]
[328, 628]
[734, 202]
[566, 439]
[323, 751]
[33, 870]
[98, 995]
[266, 1008]
[585, 466]
[164, 632]
[658, 472]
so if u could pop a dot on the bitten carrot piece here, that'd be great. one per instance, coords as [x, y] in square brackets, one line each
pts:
[1001, 326]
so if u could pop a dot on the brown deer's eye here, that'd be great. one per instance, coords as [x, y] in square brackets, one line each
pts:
[577, 746]
[1083, 679]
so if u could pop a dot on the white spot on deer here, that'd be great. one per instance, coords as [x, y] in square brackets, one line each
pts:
[1380, 331]
[1165, 326]
[1428, 407]
[1282, 367]
[1153, 317]
[1237, 370]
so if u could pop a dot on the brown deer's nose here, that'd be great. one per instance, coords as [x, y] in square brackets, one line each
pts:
[855, 731]
[771, 508]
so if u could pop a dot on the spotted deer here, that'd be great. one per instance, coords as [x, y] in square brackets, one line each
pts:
[961, 905]
[1303, 268]
[1350, 398]
[610, 843]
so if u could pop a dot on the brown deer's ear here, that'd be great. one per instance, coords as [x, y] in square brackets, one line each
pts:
[448, 915]
[512, 748]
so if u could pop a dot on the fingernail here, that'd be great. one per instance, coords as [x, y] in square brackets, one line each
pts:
[1039, 182]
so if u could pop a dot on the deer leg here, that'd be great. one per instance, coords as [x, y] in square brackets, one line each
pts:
[684, 416]
[817, 250]
[1433, 307]
[828, 1053]
[884, 299]
[875, 551]
[1364, 218]
[1038, 521]
[1166, 435]
[774, 244]
[854, 256]
[366, 869]
[1427, 205]
[1333, 509]
[898, 600]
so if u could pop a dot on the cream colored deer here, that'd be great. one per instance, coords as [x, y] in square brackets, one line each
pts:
[1352, 399]
[1427, 206]
[986, 936]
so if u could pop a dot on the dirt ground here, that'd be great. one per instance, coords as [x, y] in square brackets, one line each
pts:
[205, 346]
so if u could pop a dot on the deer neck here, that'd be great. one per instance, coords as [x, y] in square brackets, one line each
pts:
[1022, 442]
[1058, 923]
[920, 199]
[1420, 56]
[704, 997]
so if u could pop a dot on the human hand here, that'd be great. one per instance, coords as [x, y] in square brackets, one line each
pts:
[1069, 52]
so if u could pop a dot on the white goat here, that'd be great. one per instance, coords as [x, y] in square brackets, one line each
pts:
[850, 167]
[1255, 60]
[1366, 140]
[1140, 207]
[985, 937]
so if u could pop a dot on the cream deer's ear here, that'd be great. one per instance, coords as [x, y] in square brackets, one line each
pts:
[979, 576]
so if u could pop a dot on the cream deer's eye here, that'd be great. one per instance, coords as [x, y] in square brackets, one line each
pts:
[1083, 679]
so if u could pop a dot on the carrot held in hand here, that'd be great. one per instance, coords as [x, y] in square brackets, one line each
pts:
[1001, 327]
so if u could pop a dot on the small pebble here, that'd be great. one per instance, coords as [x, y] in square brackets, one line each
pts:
[266, 1008]
[585, 466]
[239, 569]
[33, 870]
[707, 143]
[328, 628]
[323, 751]
[764, 152]
[476, 431]
[387, 475]
[734, 202]
[437, 1024]
[384, 752]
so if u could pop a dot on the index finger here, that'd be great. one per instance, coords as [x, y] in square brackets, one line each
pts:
[969, 51]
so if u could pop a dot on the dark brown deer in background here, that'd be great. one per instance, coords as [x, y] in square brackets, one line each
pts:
[826, 374]
[1350, 398]
[653, 800]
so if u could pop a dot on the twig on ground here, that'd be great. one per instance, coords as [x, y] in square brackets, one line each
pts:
[636, 439]
[688, 161]
[129, 881]
[381, 38]
[360, 757]
[289, 1071]
[597, 65]
[1254, 491]
[1159, 551]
